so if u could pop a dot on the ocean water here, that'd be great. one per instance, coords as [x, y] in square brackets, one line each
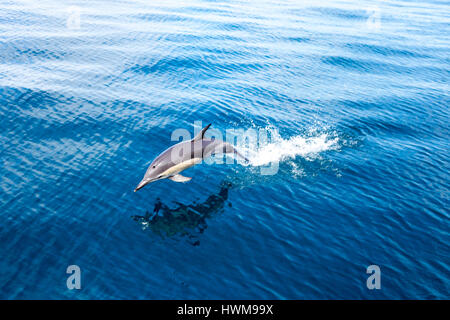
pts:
[353, 98]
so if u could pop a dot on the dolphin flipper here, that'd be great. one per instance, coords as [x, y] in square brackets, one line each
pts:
[179, 178]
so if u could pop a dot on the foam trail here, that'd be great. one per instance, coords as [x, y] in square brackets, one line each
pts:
[279, 149]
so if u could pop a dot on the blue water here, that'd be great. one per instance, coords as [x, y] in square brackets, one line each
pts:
[355, 98]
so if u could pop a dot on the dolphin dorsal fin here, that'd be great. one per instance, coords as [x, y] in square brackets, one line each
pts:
[200, 135]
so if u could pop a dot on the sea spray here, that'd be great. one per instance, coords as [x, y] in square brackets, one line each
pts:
[270, 148]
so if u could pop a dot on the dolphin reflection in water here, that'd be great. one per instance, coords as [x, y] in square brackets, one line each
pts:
[184, 220]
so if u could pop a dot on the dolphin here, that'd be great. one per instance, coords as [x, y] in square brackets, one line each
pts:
[184, 155]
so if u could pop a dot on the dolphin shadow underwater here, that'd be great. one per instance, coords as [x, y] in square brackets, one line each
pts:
[184, 220]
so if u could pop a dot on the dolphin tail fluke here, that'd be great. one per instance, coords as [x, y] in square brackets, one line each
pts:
[239, 155]
[229, 148]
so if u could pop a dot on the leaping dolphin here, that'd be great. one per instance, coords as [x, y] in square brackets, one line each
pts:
[184, 155]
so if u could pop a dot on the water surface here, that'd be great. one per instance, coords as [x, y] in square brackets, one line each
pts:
[355, 98]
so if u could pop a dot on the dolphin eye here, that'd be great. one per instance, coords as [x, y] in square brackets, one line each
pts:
[154, 167]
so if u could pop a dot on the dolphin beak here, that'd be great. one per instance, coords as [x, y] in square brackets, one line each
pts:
[142, 184]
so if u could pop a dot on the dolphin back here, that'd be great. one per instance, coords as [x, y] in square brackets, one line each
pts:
[216, 147]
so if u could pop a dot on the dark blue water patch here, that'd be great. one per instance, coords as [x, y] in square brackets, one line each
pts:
[24, 52]
[377, 67]
[379, 126]
[354, 64]
[66, 116]
[208, 10]
[298, 39]
[222, 52]
[20, 111]
[269, 94]
[214, 25]
[386, 51]
[202, 40]
[247, 27]
[68, 49]
[161, 17]
[18, 18]
[197, 67]
[19, 102]
[163, 65]
[342, 13]
[371, 117]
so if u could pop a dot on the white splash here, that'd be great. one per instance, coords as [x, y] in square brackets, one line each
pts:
[279, 149]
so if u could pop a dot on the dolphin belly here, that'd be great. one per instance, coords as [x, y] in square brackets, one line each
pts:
[181, 166]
